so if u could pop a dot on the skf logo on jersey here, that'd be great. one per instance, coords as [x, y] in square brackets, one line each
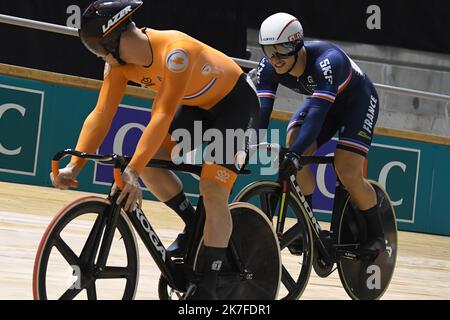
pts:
[222, 176]
[295, 36]
[114, 20]
[327, 72]
[177, 61]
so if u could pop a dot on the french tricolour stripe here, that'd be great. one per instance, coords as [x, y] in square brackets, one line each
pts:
[329, 96]
[202, 91]
[354, 144]
[266, 94]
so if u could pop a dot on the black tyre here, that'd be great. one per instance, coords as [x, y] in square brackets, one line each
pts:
[69, 249]
[368, 279]
[296, 269]
[252, 268]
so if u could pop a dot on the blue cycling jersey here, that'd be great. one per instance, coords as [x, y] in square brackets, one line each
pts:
[329, 74]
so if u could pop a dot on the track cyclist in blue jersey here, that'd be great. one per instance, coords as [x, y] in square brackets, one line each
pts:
[341, 98]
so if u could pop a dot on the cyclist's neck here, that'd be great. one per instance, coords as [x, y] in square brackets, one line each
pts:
[135, 48]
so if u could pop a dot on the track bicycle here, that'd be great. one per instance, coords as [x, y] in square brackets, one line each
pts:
[363, 277]
[251, 270]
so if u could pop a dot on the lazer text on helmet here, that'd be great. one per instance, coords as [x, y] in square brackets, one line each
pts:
[116, 18]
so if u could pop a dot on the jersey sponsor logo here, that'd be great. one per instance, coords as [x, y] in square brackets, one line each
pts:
[114, 20]
[148, 82]
[326, 69]
[310, 79]
[216, 265]
[370, 116]
[364, 135]
[223, 176]
[260, 69]
[177, 61]
[106, 70]
[184, 205]
[206, 70]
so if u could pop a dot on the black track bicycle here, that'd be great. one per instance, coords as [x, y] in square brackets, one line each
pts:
[363, 277]
[107, 259]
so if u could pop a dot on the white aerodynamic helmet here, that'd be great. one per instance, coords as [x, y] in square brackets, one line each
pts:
[281, 34]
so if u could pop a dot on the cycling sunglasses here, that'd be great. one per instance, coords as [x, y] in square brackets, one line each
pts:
[280, 51]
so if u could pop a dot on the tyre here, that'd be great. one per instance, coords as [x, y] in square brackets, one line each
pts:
[296, 269]
[368, 279]
[251, 270]
[65, 265]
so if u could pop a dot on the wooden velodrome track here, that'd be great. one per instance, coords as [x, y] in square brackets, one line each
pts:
[423, 263]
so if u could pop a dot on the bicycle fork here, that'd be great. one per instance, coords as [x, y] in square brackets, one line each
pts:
[289, 236]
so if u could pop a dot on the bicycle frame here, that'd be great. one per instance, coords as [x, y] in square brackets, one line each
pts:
[169, 268]
[291, 185]
[172, 271]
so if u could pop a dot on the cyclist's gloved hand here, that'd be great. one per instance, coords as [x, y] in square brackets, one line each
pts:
[65, 177]
[132, 189]
[290, 165]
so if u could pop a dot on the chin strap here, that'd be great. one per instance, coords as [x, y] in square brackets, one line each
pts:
[116, 53]
[116, 56]
[293, 65]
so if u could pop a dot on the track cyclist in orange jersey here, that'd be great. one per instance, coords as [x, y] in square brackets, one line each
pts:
[192, 82]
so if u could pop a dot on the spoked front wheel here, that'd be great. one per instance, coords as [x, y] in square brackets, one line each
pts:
[66, 262]
[296, 269]
[368, 279]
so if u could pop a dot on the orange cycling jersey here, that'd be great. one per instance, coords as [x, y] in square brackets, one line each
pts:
[183, 71]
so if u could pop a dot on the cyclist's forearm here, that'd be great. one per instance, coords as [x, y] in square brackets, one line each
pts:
[310, 129]
[150, 141]
[265, 112]
[94, 131]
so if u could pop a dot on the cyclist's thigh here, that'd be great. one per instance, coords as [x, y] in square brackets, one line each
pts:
[187, 128]
[236, 118]
[361, 114]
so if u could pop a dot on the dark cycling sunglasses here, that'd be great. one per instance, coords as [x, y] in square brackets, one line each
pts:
[281, 51]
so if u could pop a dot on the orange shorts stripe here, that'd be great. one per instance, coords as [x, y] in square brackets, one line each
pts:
[218, 174]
